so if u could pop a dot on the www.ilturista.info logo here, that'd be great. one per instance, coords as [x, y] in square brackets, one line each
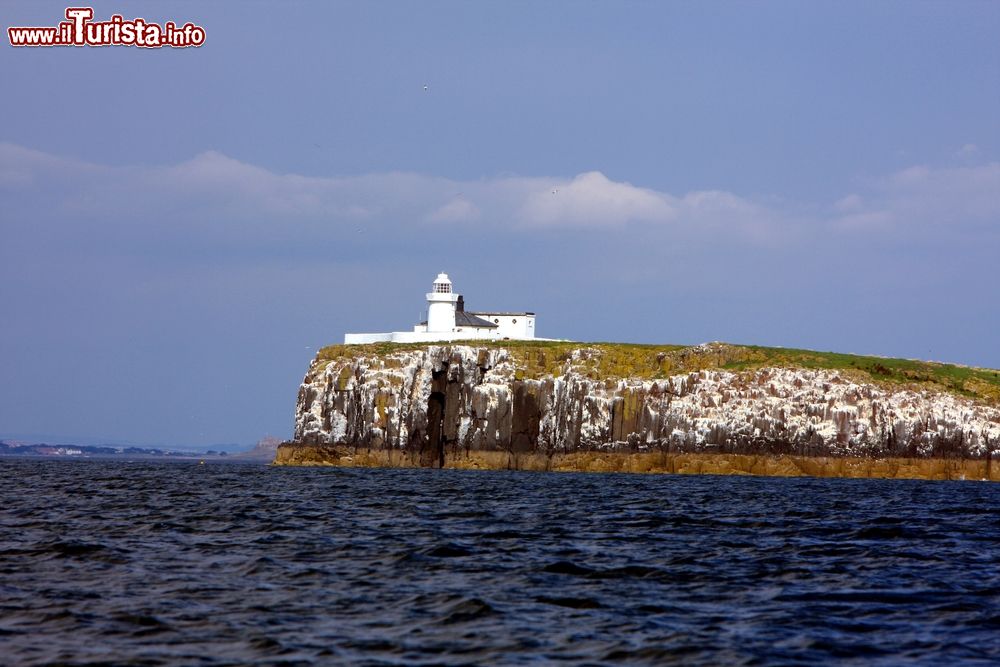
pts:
[80, 30]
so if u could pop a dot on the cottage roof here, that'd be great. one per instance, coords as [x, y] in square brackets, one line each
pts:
[464, 319]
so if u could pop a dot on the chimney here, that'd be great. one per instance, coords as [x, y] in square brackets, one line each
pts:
[460, 307]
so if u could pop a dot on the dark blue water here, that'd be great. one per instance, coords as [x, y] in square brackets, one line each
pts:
[171, 563]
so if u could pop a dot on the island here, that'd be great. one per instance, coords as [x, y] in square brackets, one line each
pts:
[612, 407]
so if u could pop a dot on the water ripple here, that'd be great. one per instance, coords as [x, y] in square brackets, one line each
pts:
[169, 563]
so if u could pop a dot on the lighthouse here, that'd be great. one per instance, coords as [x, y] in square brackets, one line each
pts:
[447, 319]
[441, 305]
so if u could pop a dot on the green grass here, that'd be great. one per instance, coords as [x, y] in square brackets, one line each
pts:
[618, 360]
[975, 382]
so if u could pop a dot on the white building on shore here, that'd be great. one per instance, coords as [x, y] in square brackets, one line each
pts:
[447, 320]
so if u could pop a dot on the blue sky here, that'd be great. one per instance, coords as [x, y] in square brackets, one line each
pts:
[181, 229]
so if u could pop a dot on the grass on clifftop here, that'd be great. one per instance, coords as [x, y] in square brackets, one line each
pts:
[648, 362]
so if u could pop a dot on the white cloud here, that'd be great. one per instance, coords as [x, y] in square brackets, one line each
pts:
[457, 210]
[220, 199]
[852, 202]
[960, 195]
[213, 188]
[921, 201]
[592, 200]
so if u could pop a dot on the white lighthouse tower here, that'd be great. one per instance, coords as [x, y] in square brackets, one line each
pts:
[441, 304]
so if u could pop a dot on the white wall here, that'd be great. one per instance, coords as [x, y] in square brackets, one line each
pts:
[362, 338]
[464, 333]
[427, 337]
[510, 325]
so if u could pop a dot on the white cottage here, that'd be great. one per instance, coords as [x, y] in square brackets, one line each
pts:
[447, 319]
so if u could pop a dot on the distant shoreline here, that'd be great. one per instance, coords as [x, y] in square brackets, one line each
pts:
[769, 465]
[127, 458]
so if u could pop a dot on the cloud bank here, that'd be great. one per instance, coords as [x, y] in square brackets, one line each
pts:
[216, 193]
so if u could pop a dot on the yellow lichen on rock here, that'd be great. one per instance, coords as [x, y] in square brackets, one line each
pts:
[290, 454]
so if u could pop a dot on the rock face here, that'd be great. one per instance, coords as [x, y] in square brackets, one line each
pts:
[443, 401]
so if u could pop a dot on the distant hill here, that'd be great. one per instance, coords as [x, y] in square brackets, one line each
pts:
[264, 450]
[18, 448]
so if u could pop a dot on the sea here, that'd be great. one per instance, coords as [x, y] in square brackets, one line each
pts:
[175, 563]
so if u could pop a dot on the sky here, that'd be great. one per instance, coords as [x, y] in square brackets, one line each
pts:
[182, 229]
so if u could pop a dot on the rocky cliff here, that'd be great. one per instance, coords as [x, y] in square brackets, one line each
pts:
[436, 404]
